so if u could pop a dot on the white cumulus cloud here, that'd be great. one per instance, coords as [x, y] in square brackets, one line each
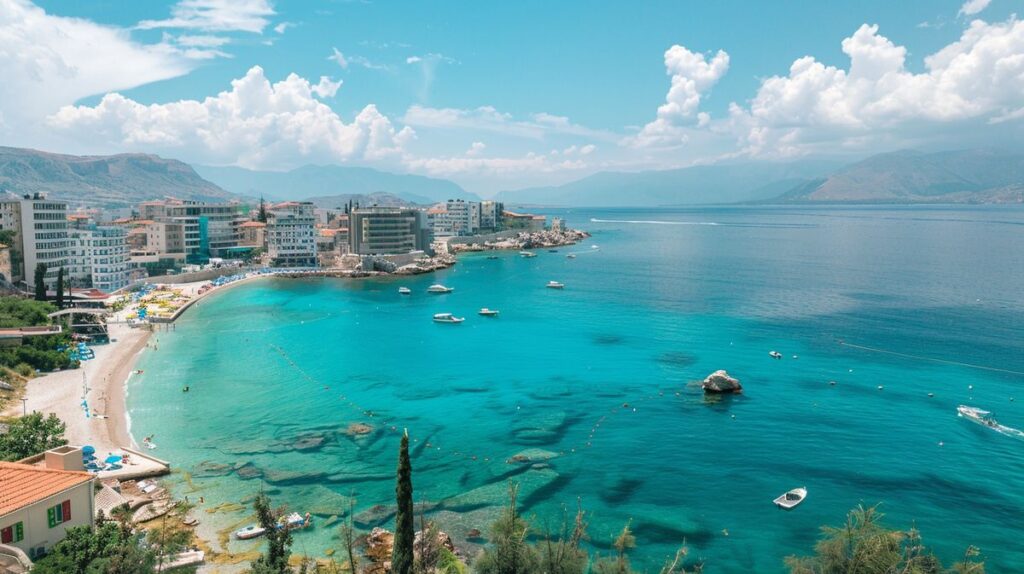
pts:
[976, 80]
[255, 124]
[693, 75]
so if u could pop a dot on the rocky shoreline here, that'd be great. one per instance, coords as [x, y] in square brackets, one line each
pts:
[525, 240]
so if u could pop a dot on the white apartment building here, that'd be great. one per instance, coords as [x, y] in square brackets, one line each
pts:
[456, 218]
[41, 235]
[98, 256]
[291, 234]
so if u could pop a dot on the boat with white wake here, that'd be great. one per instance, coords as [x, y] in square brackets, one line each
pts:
[985, 419]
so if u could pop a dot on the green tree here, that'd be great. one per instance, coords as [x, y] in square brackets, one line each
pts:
[40, 282]
[402, 550]
[279, 540]
[108, 549]
[864, 546]
[60, 288]
[31, 434]
[20, 312]
[509, 552]
[262, 215]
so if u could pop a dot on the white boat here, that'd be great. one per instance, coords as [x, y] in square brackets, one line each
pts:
[571, 256]
[404, 291]
[974, 414]
[447, 318]
[293, 521]
[792, 498]
[488, 312]
[438, 288]
[775, 354]
[555, 285]
[527, 254]
[251, 531]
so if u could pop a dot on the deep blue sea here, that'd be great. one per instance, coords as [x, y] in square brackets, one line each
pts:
[594, 384]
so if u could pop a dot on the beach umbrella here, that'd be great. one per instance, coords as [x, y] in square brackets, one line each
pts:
[88, 449]
[113, 459]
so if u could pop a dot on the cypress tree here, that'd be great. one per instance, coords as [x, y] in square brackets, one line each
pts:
[402, 551]
[262, 215]
[40, 284]
[60, 288]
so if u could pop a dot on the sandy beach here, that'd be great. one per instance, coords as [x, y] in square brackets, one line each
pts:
[104, 377]
[101, 382]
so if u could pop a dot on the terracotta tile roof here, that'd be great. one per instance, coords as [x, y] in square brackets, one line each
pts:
[253, 224]
[24, 484]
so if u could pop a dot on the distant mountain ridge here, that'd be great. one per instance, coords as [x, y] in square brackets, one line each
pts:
[315, 181]
[704, 184]
[361, 199]
[104, 181]
[906, 177]
[965, 176]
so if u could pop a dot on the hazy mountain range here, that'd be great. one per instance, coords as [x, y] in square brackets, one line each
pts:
[107, 181]
[687, 186]
[966, 176]
[317, 181]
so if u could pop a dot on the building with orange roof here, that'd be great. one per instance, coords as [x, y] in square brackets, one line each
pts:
[252, 234]
[39, 503]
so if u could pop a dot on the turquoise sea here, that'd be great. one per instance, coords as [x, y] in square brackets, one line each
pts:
[595, 383]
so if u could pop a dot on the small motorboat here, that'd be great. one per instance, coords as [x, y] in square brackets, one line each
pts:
[792, 498]
[555, 285]
[527, 254]
[552, 251]
[974, 414]
[251, 531]
[775, 354]
[571, 256]
[404, 291]
[447, 318]
[293, 521]
[492, 256]
[488, 312]
[438, 288]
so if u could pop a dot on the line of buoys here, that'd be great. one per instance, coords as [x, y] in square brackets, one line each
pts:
[931, 359]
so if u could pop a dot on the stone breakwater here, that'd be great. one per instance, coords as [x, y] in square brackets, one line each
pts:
[523, 240]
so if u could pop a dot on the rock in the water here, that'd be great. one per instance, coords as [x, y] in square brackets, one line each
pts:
[720, 382]
[358, 429]
[531, 455]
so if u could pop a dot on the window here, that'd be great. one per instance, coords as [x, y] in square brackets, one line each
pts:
[13, 533]
[58, 514]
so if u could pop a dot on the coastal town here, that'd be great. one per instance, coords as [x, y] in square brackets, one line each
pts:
[119, 277]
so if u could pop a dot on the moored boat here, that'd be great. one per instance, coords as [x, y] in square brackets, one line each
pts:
[555, 285]
[571, 256]
[447, 318]
[775, 354]
[438, 288]
[527, 254]
[792, 498]
[404, 291]
[293, 521]
[488, 312]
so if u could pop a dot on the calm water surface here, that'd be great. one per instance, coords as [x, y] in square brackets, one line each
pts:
[594, 384]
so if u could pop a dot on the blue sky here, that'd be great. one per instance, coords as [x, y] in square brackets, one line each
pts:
[498, 96]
